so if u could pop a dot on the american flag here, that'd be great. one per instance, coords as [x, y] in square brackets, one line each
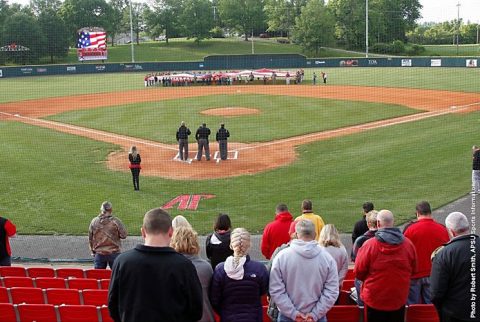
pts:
[92, 39]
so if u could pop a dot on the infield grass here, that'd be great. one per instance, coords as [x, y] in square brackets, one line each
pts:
[54, 182]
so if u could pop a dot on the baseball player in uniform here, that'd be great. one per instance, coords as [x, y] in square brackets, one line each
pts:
[182, 138]
[221, 137]
[202, 135]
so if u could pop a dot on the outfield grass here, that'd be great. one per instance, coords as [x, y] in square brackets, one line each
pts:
[280, 117]
[453, 79]
[55, 182]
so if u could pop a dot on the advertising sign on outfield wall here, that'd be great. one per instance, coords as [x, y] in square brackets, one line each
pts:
[1, 73]
[436, 62]
[406, 63]
[471, 63]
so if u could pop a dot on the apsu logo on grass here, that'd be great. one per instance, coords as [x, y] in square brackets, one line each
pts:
[187, 202]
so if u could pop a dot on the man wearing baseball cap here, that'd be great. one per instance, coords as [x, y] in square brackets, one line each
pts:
[104, 236]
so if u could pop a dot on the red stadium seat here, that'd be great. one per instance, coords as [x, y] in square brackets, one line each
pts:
[345, 299]
[350, 275]
[7, 312]
[105, 283]
[348, 284]
[70, 272]
[78, 313]
[105, 314]
[344, 313]
[266, 318]
[29, 295]
[50, 282]
[58, 296]
[4, 295]
[422, 313]
[83, 283]
[98, 273]
[95, 297]
[37, 312]
[16, 281]
[12, 271]
[40, 272]
[264, 300]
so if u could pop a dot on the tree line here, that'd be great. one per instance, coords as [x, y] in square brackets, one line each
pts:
[49, 27]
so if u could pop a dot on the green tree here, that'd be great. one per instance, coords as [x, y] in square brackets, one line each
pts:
[281, 14]
[41, 6]
[164, 18]
[85, 13]
[242, 15]
[314, 27]
[23, 30]
[138, 19]
[116, 25]
[350, 22]
[197, 18]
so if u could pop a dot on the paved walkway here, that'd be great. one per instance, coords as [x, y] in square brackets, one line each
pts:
[57, 249]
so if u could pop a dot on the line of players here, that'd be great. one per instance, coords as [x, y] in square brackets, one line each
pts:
[202, 134]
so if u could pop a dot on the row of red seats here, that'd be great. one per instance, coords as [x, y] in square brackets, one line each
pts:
[54, 282]
[64, 272]
[52, 313]
[56, 296]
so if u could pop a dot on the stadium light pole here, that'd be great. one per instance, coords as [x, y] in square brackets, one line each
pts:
[458, 24]
[366, 28]
[253, 47]
[131, 33]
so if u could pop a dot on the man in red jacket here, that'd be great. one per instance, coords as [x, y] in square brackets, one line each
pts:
[426, 235]
[386, 264]
[276, 233]
[7, 230]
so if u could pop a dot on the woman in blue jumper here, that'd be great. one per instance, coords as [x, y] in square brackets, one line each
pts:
[239, 283]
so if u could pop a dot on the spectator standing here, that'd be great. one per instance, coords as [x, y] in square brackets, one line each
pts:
[152, 282]
[454, 290]
[202, 135]
[372, 229]
[361, 226]
[276, 232]
[182, 137]
[294, 269]
[238, 283]
[307, 213]
[476, 169]
[218, 243]
[135, 167]
[222, 135]
[180, 221]
[387, 257]
[104, 235]
[426, 235]
[330, 240]
[7, 230]
[185, 241]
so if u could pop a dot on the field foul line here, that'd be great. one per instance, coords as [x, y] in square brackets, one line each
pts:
[367, 126]
[91, 131]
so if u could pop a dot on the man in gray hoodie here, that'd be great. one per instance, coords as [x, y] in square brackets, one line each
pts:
[304, 278]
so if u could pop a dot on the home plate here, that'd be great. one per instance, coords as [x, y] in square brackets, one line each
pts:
[16, 115]
[453, 106]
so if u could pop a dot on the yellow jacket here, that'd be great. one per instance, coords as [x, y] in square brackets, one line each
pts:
[317, 221]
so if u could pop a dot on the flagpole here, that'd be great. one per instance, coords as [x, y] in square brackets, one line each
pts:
[131, 33]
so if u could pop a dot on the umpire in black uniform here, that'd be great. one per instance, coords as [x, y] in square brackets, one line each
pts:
[202, 135]
[221, 137]
[182, 138]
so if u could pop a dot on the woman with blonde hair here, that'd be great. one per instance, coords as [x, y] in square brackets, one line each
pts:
[135, 160]
[330, 240]
[239, 283]
[180, 221]
[185, 241]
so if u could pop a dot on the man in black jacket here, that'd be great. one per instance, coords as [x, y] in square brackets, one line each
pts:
[361, 226]
[221, 137]
[182, 137]
[202, 135]
[453, 282]
[152, 282]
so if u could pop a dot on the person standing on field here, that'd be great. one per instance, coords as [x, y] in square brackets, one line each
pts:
[476, 169]
[135, 160]
[202, 135]
[7, 230]
[182, 139]
[221, 137]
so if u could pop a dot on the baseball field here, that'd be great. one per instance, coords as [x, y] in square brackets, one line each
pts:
[393, 136]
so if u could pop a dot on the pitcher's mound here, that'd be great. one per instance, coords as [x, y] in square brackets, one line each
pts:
[230, 111]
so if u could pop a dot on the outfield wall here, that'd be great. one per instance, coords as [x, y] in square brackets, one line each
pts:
[226, 62]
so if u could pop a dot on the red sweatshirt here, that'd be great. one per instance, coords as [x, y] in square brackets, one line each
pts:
[276, 233]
